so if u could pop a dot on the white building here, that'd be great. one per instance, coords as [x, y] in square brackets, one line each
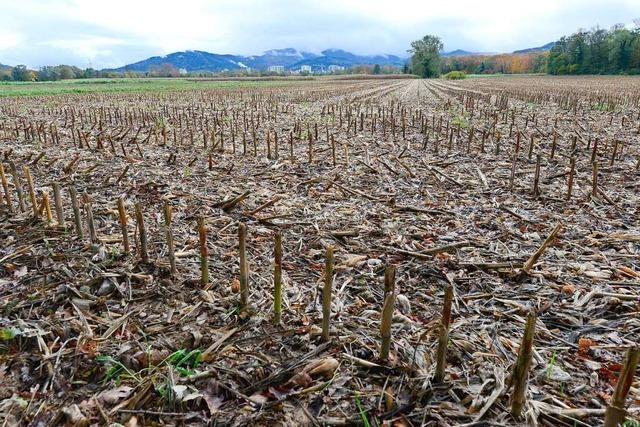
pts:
[335, 68]
[305, 68]
[276, 69]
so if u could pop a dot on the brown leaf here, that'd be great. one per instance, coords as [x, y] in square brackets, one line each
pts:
[235, 286]
[324, 367]
[113, 396]
[301, 379]
[584, 344]
[212, 397]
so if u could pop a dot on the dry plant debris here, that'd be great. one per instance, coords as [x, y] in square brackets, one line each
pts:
[138, 234]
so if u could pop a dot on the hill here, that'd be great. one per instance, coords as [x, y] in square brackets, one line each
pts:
[461, 52]
[192, 60]
[545, 48]
[347, 59]
[286, 57]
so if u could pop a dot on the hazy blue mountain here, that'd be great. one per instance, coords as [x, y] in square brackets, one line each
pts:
[285, 57]
[459, 52]
[191, 60]
[347, 59]
[290, 58]
[547, 47]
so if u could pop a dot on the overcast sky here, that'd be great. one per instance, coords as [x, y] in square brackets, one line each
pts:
[109, 33]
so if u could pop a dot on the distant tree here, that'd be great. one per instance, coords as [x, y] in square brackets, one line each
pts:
[20, 73]
[59, 72]
[168, 70]
[620, 50]
[425, 56]
[405, 68]
[634, 61]
[163, 70]
[490, 64]
[362, 69]
[66, 72]
[540, 63]
[376, 69]
[390, 69]
[48, 73]
[89, 73]
[597, 51]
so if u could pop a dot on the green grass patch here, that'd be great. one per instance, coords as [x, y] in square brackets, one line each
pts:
[552, 363]
[460, 120]
[134, 85]
[363, 414]
[183, 361]
[8, 334]
[603, 107]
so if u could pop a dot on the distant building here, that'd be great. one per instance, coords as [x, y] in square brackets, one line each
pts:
[305, 68]
[183, 71]
[276, 69]
[335, 68]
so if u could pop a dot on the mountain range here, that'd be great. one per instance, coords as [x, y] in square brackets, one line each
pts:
[540, 49]
[289, 58]
[461, 52]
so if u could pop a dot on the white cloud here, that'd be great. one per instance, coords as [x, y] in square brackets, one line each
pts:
[9, 39]
[82, 32]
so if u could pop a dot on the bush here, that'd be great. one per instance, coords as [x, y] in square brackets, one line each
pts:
[455, 75]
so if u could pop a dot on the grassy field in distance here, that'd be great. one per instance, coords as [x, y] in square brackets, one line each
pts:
[129, 85]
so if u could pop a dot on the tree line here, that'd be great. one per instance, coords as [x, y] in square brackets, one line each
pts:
[597, 51]
[509, 63]
[426, 61]
[21, 73]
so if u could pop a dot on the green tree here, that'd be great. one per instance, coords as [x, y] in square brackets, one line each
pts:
[20, 73]
[89, 73]
[48, 73]
[376, 69]
[66, 72]
[620, 50]
[425, 56]
[597, 52]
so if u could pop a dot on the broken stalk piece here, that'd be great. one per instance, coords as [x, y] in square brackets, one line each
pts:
[387, 311]
[443, 339]
[326, 293]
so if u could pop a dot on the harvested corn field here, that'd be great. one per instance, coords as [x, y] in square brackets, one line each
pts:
[396, 252]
